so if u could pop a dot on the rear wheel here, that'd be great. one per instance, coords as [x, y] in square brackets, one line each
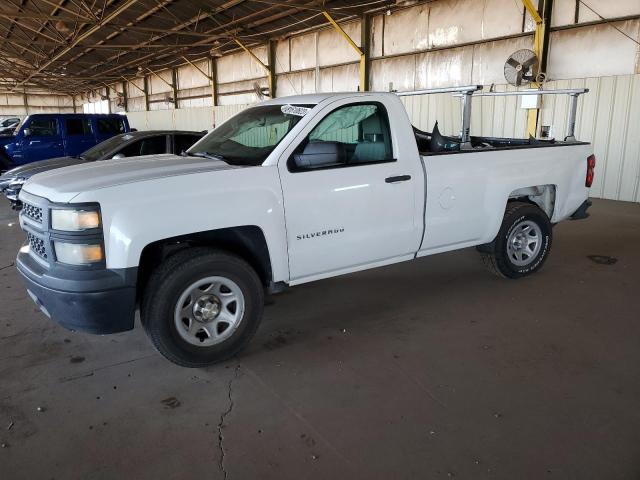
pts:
[202, 306]
[522, 244]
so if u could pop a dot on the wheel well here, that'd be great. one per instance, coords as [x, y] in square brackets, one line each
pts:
[247, 242]
[544, 196]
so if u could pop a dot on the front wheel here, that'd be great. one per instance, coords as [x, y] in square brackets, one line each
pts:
[522, 244]
[202, 306]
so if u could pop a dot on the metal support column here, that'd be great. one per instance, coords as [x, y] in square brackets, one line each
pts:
[106, 94]
[271, 58]
[365, 43]
[174, 87]
[125, 97]
[214, 81]
[146, 92]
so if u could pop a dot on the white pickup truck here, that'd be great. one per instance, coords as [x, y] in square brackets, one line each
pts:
[292, 190]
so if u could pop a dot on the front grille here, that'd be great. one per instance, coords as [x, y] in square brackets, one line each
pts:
[37, 245]
[32, 212]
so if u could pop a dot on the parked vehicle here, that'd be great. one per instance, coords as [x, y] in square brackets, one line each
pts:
[132, 144]
[43, 136]
[287, 192]
[8, 125]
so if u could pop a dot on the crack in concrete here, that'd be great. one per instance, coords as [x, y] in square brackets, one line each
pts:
[223, 416]
[7, 266]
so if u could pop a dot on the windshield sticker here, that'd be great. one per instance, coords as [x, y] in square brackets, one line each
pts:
[293, 110]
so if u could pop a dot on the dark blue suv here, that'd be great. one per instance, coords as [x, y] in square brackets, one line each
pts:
[44, 135]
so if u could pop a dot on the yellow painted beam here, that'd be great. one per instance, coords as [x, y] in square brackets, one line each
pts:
[532, 114]
[533, 11]
[197, 68]
[251, 54]
[261, 63]
[363, 59]
[162, 79]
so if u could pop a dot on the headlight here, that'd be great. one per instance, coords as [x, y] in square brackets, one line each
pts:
[77, 253]
[74, 220]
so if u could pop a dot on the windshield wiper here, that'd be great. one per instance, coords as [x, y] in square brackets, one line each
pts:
[210, 156]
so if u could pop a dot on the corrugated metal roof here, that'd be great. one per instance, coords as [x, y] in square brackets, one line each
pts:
[72, 45]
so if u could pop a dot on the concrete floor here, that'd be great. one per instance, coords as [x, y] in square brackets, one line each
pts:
[430, 369]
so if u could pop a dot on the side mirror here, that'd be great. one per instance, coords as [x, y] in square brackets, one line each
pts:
[27, 132]
[118, 156]
[319, 154]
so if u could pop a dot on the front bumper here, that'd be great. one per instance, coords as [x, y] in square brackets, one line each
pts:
[96, 301]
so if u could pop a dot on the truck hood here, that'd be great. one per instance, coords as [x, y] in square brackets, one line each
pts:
[63, 184]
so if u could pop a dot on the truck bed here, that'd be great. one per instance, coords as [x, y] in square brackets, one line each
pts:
[434, 143]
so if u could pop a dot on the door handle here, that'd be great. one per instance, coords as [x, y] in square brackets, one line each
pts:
[398, 178]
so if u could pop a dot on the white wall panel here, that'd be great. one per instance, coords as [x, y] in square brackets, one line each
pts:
[444, 68]
[282, 56]
[334, 49]
[160, 82]
[593, 51]
[452, 22]
[190, 77]
[240, 66]
[339, 79]
[563, 12]
[399, 71]
[608, 9]
[501, 17]
[489, 59]
[406, 30]
[303, 51]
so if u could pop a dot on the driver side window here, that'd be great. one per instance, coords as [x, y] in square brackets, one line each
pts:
[356, 134]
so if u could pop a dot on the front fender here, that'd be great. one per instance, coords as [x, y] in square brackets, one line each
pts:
[137, 214]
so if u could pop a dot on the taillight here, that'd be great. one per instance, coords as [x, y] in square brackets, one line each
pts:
[591, 166]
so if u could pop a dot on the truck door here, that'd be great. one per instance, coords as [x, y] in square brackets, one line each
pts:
[43, 139]
[78, 135]
[349, 198]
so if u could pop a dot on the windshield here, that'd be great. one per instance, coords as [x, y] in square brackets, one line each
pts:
[99, 151]
[249, 137]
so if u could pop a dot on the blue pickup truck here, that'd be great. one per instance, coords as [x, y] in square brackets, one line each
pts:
[42, 136]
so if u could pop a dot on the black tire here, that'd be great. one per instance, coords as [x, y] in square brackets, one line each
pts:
[5, 164]
[169, 281]
[495, 255]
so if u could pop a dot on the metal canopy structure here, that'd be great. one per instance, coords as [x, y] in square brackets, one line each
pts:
[70, 46]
